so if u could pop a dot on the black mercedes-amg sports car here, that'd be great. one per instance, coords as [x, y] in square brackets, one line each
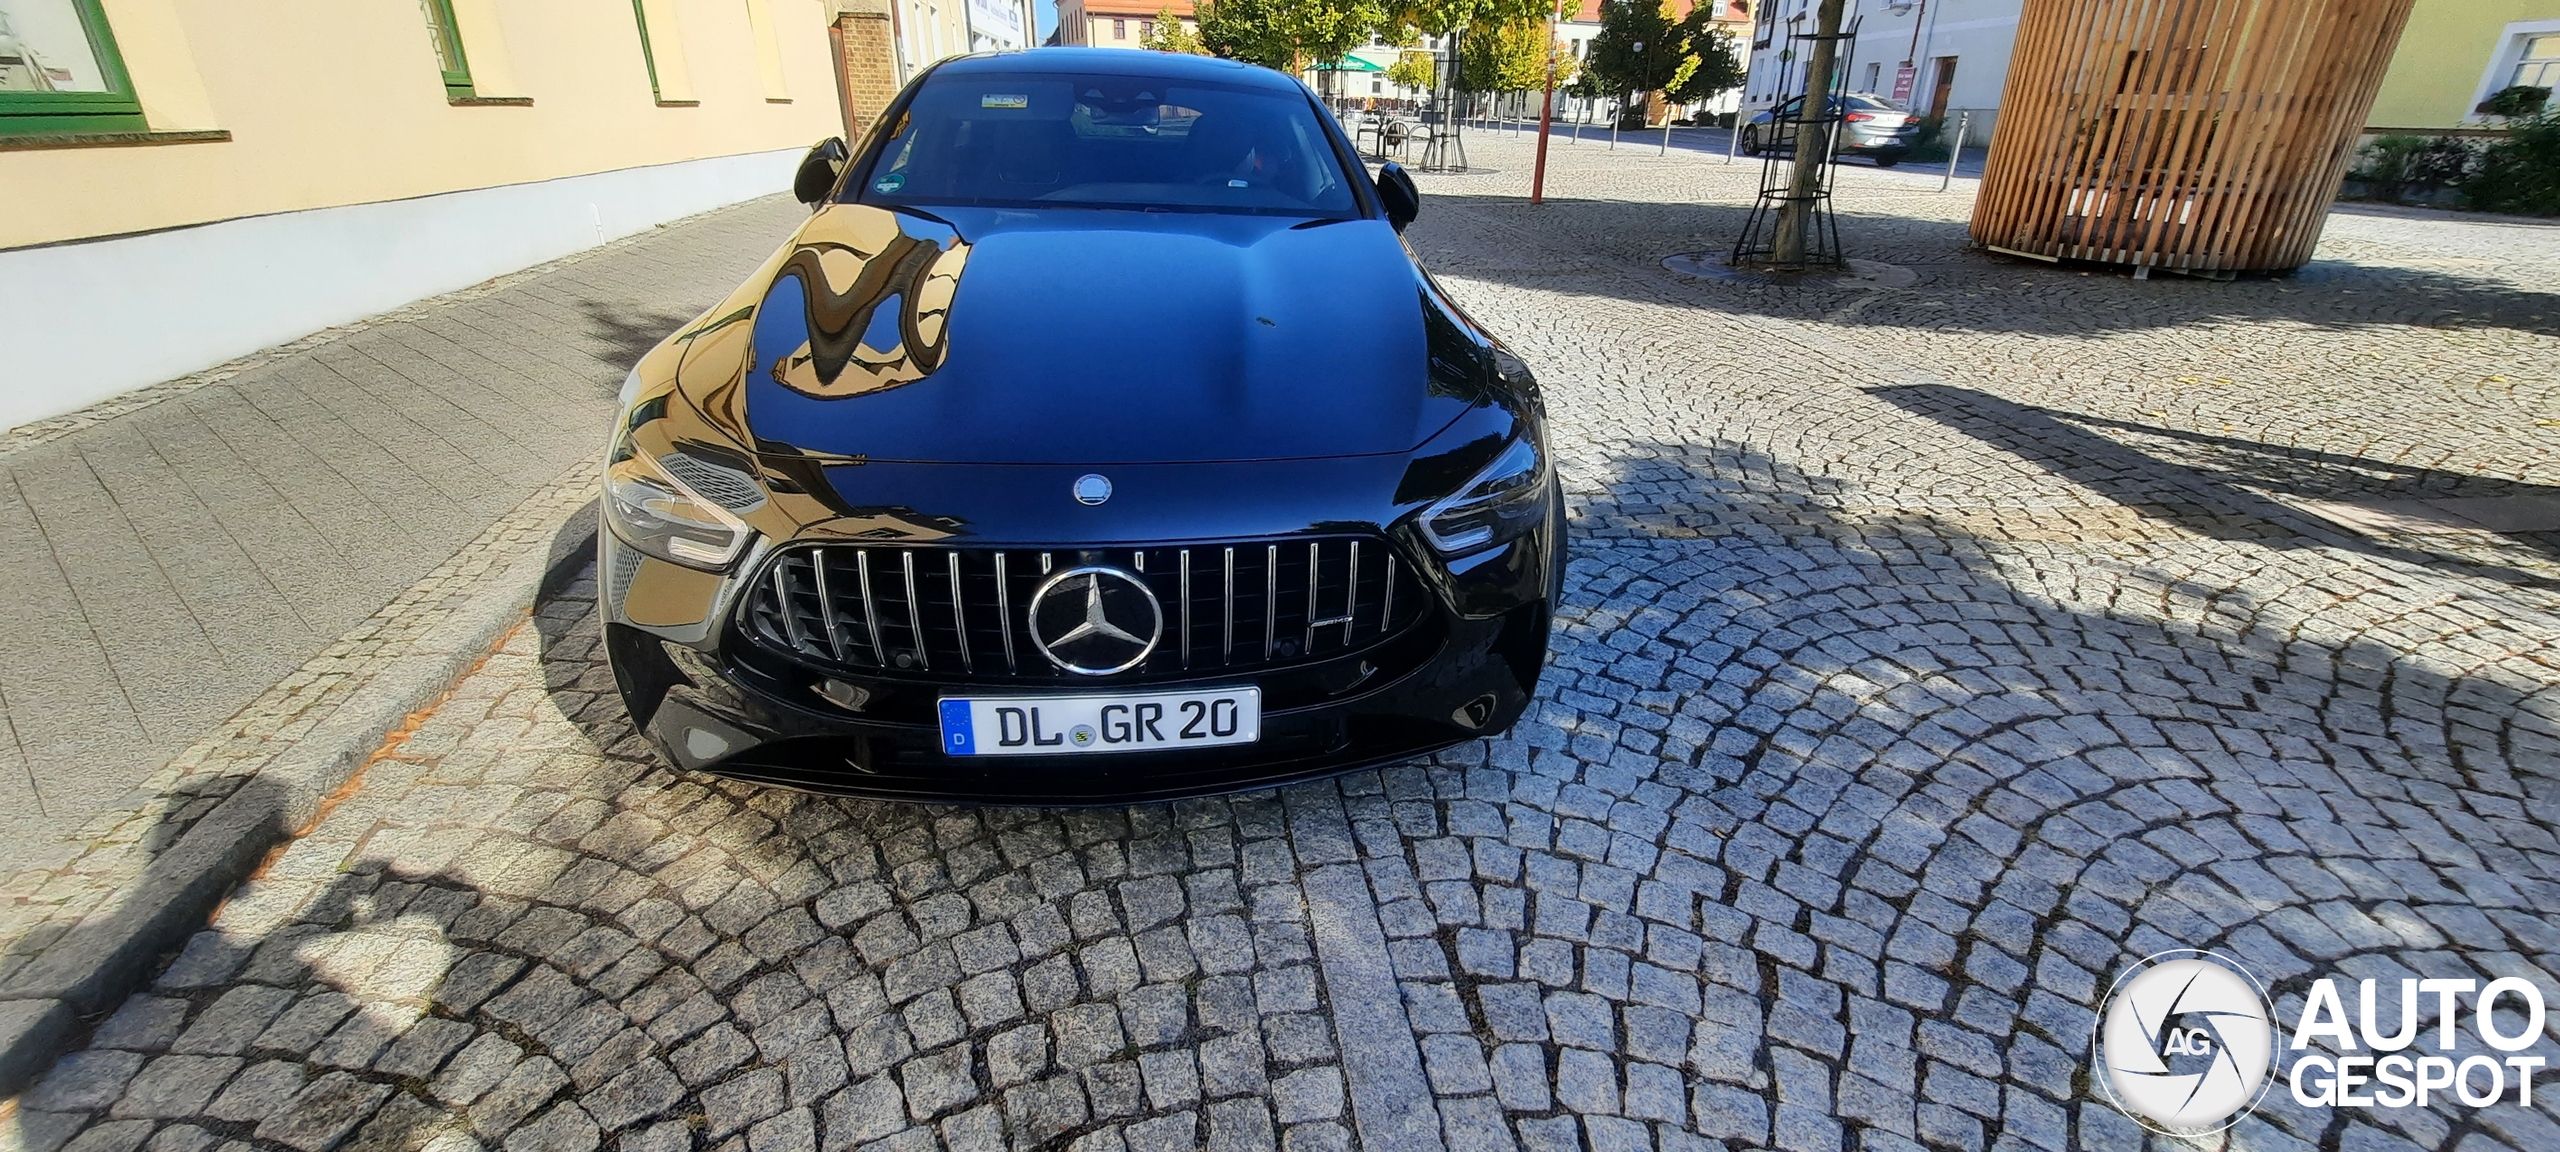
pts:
[1097, 439]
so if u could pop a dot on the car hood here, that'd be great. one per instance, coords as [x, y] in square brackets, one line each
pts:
[1085, 337]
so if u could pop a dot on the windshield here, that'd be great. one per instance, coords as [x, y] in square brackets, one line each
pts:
[1032, 140]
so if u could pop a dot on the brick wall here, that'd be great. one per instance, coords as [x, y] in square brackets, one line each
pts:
[866, 63]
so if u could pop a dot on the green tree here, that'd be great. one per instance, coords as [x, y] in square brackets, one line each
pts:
[1643, 47]
[1451, 17]
[1414, 70]
[1506, 58]
[1288, 35]
[1243, 30]
[1323, 31]
[1718, 69]
[1171, 36]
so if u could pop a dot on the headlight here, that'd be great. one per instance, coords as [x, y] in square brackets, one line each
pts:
[658, 505]
[1500, 504]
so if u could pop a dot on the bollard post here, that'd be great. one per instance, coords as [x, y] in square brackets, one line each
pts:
[1956, 154]
[1733, 136]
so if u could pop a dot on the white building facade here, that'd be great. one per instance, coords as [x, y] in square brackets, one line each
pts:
[1943, 58]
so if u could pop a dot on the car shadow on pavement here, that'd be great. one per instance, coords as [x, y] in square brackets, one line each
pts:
[1961, 289]
[1810, 799]
[623, 335]
[2230, 488]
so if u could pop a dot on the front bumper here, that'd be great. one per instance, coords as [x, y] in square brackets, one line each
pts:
[713, 700]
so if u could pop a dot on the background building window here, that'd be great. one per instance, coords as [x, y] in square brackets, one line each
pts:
[59, 71]
[2540, 67]
[447, 38]
[1119, 29]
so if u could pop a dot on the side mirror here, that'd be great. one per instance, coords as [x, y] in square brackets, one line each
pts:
[1396, 192]
[819, 169]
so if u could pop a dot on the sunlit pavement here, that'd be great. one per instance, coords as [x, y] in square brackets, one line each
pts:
[1929, 655]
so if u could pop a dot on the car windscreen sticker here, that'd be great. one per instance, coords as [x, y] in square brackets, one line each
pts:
[1003, 100]
[890, 183]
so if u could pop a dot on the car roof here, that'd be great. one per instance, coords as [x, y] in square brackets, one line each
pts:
[1117, 62]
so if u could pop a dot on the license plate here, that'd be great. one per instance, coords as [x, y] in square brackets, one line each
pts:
[1121, 722]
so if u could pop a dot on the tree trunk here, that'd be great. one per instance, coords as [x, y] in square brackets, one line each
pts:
[1796, 217]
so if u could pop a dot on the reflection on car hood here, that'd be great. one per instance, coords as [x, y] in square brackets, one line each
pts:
[1086, 337]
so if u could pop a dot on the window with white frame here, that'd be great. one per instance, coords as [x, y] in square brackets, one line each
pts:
[2539, 66]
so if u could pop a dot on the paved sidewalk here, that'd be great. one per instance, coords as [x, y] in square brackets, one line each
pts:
[1928, 655]
[173, 561]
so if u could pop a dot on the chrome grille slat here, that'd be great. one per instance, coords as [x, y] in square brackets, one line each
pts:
[960, 615]
[826, 603]
[1004, 611]
[915, 613]
[870, 610]
[790, 619]
[1270, 597]
[816, 603]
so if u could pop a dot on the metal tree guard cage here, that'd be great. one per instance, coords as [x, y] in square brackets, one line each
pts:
[1758, 244]
[2193, 135]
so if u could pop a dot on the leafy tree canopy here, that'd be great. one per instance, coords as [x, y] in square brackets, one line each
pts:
[1413, 70]
[1288, 34]
[1242, 30]
[1171, 36]
[1642, 47]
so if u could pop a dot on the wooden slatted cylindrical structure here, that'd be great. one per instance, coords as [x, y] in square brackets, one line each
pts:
[2201, 135]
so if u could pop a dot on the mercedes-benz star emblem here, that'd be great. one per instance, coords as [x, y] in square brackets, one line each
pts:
[1092, 488]
[1094, 620]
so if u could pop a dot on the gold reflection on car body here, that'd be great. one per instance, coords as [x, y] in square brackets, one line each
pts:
[852, 261]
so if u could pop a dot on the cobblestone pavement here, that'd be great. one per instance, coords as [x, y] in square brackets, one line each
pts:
[178, 549]
[1929, 655]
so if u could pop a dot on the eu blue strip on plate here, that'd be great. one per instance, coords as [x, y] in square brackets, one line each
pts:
[957, 738]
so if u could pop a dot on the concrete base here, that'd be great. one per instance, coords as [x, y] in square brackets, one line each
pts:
[87, 320]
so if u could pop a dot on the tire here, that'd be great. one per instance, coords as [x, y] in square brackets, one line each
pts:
[1887, 161]
[1751, 139]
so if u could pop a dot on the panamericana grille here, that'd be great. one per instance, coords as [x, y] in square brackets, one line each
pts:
[941, 611]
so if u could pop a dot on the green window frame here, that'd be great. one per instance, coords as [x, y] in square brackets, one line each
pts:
[649, 58]
[446, 36]
[63, 113]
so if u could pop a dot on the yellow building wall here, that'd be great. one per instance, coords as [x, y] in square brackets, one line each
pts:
[331, 103]
[2436, 69]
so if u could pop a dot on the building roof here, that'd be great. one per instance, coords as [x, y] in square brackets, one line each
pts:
[1140, 9]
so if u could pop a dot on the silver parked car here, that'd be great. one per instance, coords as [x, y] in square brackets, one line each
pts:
[1874, 127]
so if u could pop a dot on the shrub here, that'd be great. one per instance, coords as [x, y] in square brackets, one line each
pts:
[2521, 173]
[2405, 167]
[1931, 145]
[2518, 102]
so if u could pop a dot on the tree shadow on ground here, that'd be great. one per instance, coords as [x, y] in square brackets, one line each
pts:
[2225, 487]
[1961, 288]
[621, 333]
